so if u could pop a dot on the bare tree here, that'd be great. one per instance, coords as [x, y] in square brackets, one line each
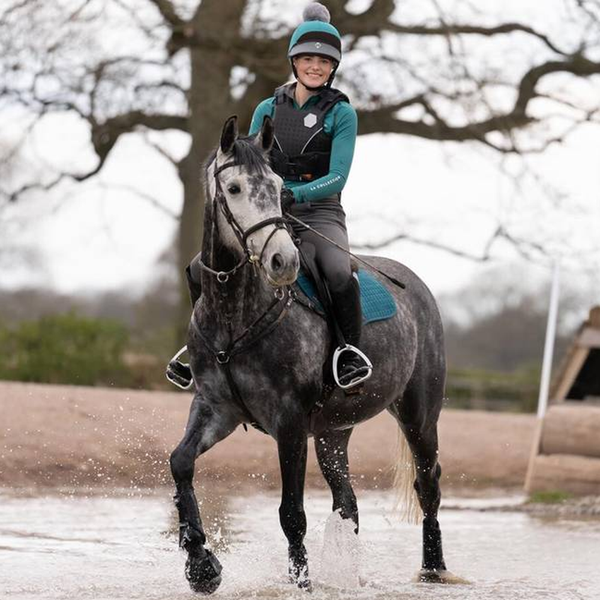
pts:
[425, 69]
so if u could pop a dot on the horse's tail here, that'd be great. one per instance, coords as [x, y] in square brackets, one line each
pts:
[405, 473]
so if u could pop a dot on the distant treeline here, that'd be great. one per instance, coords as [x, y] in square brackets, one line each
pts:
[494, 340]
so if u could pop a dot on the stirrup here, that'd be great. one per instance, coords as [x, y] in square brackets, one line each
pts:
[358, 380]
[175, 378]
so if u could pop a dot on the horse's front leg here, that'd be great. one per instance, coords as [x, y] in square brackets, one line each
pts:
[204, 429]
[332, 453]
[292, 445]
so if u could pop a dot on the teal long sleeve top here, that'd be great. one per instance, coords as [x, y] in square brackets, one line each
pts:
[341, 124]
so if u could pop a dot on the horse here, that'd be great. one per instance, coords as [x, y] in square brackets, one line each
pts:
[257, 356]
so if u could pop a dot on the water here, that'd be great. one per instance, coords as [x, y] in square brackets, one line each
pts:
[124, 547]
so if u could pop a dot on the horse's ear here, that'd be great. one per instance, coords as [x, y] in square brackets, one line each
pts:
[266, 135]
[229, 134]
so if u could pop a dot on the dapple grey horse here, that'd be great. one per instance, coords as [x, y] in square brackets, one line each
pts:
[259, 356]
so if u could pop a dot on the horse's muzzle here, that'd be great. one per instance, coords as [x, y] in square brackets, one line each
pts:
[282, 268]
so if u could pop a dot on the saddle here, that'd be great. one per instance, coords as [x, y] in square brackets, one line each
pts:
[377, 304]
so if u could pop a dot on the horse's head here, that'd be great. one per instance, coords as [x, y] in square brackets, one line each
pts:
[245, 192]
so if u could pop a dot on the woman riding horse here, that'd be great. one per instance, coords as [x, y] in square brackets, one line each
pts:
[258, 354]
[315, 134]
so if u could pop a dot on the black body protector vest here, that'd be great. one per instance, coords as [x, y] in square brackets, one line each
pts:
[302, 149]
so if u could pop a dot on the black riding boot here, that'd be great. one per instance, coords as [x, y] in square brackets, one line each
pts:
[352, 368]
[178, 372]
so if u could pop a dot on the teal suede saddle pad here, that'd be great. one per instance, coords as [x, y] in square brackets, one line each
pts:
[376, 300]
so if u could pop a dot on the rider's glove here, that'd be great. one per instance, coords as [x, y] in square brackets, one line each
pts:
[287, 200]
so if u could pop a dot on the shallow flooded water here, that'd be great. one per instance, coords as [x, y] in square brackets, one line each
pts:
[124, 547]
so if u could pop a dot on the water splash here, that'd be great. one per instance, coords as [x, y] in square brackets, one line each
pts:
[341, 554]
[124, 547]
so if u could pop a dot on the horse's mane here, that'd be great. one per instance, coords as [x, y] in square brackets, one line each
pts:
[246, 154]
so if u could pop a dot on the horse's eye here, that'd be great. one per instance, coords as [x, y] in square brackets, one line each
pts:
[234, 188]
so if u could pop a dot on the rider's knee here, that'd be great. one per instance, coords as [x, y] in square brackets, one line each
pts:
[340, 281]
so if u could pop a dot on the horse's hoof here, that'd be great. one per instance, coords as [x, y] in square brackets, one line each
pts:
[305, 585]
[301, 580]
[203, 572]
[438, 576]
[298, 569]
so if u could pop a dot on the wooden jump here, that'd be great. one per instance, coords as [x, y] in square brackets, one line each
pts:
[566, 450]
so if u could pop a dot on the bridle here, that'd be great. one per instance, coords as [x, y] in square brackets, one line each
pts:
[249, 257]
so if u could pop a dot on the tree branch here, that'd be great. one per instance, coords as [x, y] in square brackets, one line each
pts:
[576, 64]
[168, 12]
[384, 119]
[105, 135]
[143, 195]
[375, 20]
[46, 187]
[525, 248]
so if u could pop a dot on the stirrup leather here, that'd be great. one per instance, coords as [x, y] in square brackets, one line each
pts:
[336, 357]
[175, 378]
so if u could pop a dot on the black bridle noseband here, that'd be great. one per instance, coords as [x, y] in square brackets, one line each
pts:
[241, 234]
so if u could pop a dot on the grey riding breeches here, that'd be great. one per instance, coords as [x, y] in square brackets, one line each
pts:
[328, 218]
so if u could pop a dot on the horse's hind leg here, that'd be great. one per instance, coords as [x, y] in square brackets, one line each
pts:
[332, 454]
[417, 414]
[204, 429]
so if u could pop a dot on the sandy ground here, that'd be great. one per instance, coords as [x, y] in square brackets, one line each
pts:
[79, 436]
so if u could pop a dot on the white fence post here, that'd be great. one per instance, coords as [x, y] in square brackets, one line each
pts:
[546, 372]
[549, 344]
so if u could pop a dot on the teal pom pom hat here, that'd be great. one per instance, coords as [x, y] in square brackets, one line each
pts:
[316, 36]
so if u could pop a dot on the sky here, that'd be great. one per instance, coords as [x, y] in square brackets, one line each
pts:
[100, 236]
[105, 237]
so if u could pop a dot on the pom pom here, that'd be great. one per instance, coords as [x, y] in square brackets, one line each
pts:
[316, 12]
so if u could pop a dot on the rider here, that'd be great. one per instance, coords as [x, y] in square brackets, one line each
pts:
[315, 134]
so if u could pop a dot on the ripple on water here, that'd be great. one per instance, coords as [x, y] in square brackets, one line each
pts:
[125, 547]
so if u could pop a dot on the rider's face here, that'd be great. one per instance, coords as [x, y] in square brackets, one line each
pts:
[313, 71]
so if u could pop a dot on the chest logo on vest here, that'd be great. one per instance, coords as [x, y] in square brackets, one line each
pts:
[310, 120]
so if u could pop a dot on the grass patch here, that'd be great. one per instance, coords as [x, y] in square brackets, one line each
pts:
[549, 497]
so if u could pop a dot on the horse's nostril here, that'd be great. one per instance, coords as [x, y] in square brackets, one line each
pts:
[277, 262]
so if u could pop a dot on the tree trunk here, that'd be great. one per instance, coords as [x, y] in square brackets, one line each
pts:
[210, 105]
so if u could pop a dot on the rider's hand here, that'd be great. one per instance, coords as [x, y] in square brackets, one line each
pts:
[287, 199]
